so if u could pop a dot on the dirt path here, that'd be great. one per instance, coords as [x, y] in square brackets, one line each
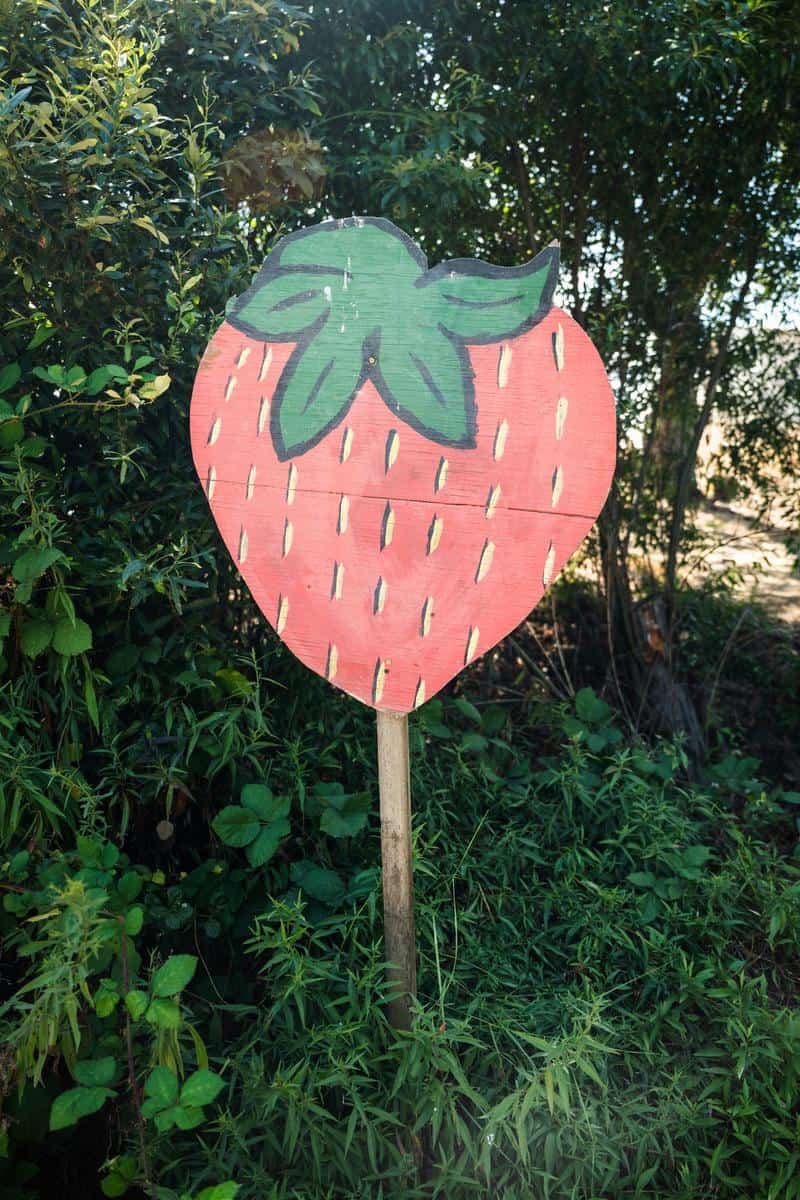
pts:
[757, 553]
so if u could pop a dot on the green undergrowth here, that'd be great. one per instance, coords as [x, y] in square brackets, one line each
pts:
[607, 979]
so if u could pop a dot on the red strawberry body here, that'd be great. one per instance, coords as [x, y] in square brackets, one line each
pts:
[386, 560]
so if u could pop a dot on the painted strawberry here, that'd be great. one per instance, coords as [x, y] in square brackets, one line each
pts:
[399, 459]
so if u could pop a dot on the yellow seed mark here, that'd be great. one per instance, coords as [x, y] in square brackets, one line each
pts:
[558, 486]
[337, 583]
[265, 361]
[242, 356]
[426, 617]
[441, 474]
[347, 445]
[251, 483]
[263, 413]
[549, 563]
[242, 544]
[434, 534]
[332, 663]
[378, 680]
[387, 526]
[229, 386]
[503, 365]
[288, 534]
[472, 643]
[485, 561]
[491, 501]
[379, 597]
[283, 613]
[500, 436]
[558, 348]
[561, 415]
[291, 483]
[211, 481]
[214, 431]
[392, 450]
[344, 512]
[419, 694]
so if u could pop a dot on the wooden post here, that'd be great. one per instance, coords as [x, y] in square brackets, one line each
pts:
[398, 887]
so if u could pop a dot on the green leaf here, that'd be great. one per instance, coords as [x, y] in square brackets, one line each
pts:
[174, 975]
[344, 815]
[220, 1191]
[9, 375]
[5, 624]
[262, 849]
[281, 305]
[129, 886]
[134, 919]
[316, 387]
[71, 638]
[478, 302]
[319, 883]
[136, 1003]
[591, 708]
[188, 1118]
[12, 432]
[95, 1072]
[258, 798]
[202, 1087]
[114, 1185]
[162, 1086]
[33, 563]
[696, 856]
[236, 826]
[428, 381]
[70, 1106]
[35, 637]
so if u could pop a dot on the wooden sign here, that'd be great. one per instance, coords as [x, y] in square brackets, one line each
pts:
[399, 459]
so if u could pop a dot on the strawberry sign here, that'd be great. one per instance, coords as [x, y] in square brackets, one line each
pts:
[399, 458]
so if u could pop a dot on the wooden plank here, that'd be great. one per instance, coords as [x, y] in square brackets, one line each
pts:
[397, 496]
[398, 885]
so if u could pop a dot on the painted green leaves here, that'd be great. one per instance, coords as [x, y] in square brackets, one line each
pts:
[359, 303]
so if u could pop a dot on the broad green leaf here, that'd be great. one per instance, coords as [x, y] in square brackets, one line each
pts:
[134, 919]
[281, 305]
[428, 382]
[114, 1185]
[202, 1087]
[319, 882]
[136, 1003]
[162, 1086]
[9, 375]
[236, 826]
[5, 624]
[129, 886]
[70, 1106]
[188, 1118]
[33, 563]
[95, 1072]
[315, 390]
[482, 303]
[71, 638]
[345, 815]
[174, 975]
[220, 1191]
[259, 799]
[35, 637]
[262, 849]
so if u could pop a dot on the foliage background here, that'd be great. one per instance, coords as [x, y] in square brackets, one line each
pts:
[608, 1002]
